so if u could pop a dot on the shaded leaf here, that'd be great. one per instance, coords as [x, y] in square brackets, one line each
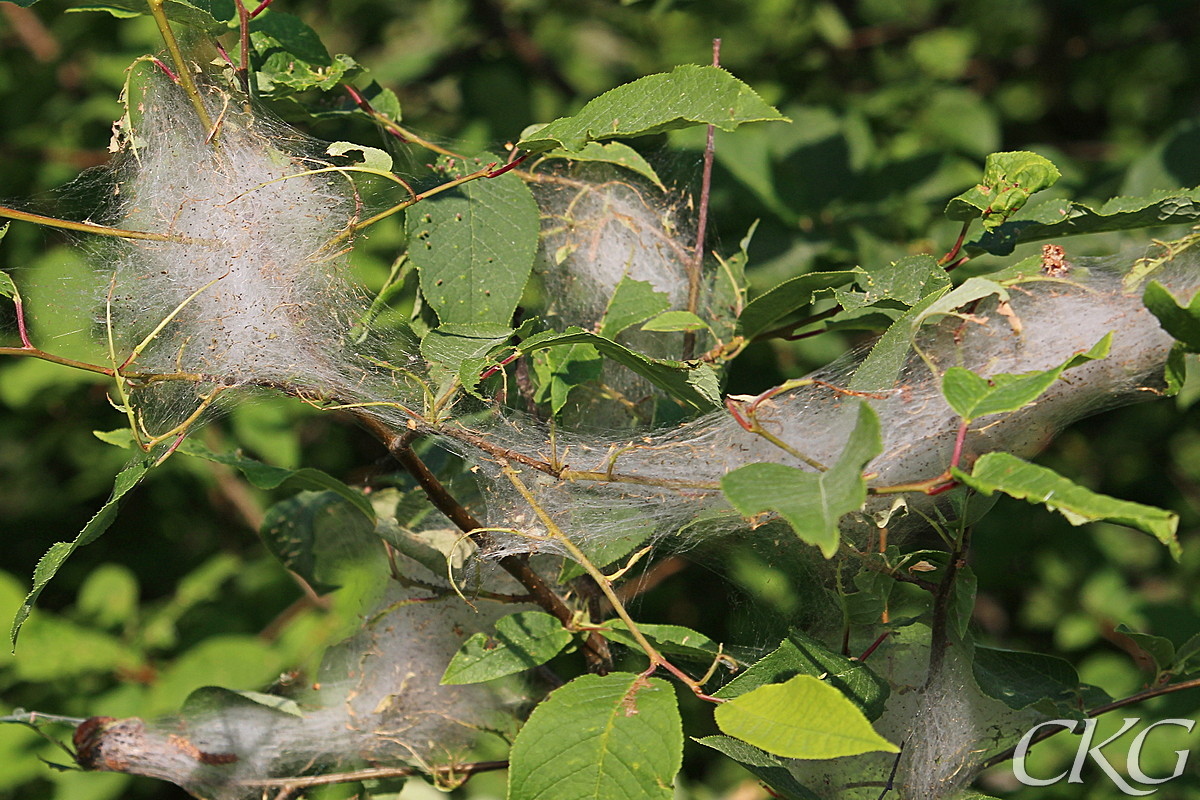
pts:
[1020, 679]
[790, 296]
[811, 502]
[800, 718]
[192, 14]
[1006, 473]
[612, 737]
[1159, 648]
[293, 35]
[317, 535]
[59, 552]
[671, 640]
[767, 768]
[522, 641]
[632, 302]
[1182, 322]
[688, 95]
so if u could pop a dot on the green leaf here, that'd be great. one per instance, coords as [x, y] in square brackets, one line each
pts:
[1159, 648]
[522, 641]
[617, 153]
[1186, 652]
[474, 248]
[293, 35]
[1055, 219]
[176, 10]
[688, 95]
[1008, 181]
[611, 737]
[972, 396]
[801, 654]
[671, 640]
[767, 768]
[811, 502]
[693, 383]
[1182, 322]
[632, 302]
[786, 298]
[1020, 679]
[59, 552]
[906, 281]
[675, 321]
[1039, 485]
[800, 718]
[319, 534]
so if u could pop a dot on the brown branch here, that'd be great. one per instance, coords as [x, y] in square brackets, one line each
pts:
[696, 263]
[374, 773]
[595, 648]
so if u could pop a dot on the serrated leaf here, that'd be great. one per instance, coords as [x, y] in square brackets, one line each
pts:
[1008, 181]
[617, 153]
[59, 552]
[786, 298]
[632, 302]
[801, 654]
[474, 248]
[671, 640]
[905, 281]
[764, 766]
[611, 737]
[972, 396]
[1182, 322]
[688, 95]
[521, 641]
[693, 383]
[319, 534]
[800, 718]
[1056, 219]
[675, 321]
[812, 502]
[1004, 472]
[1020, 679]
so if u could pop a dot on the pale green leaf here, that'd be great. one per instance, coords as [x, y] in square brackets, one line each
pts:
[617, 153]
[688, 95]
[671, 640]
[800, 718]
[675, 321]
[1008, 181]
[1006, 473]
[522, 641]
[361, 155]
[632, 302]
[611, 737]
[812, 502]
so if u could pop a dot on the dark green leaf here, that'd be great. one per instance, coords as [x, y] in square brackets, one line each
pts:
[293, 35]
[192, 14]
[59, 552]
[972, 396]
[1008, 474]
[616, 737]
[1055, 219]
[688, 95]
[800, 718]
[474, 248]
[671, 640]
[1161, 649]
[1021, 679]
[800, 654]
[522, 641]
[812, 502]
[786, 298]
[319, 534]
[767, 768]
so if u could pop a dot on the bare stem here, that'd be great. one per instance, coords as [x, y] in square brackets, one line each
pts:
[370, 773]
[185, 74]
[696, 263]
[100, 230]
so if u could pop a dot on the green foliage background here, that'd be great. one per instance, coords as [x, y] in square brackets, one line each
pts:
[895, 102]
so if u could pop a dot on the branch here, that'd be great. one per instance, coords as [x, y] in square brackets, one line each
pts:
[376, 772]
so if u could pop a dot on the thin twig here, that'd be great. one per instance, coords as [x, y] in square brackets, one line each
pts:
[696, 262]
[374, 773]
